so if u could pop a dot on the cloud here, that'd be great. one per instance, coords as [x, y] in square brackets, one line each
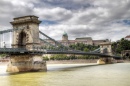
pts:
[68, 4]
[57, 13]
[10, 9]
[99, 19]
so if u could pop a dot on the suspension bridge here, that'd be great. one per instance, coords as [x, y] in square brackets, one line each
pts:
[25, 44]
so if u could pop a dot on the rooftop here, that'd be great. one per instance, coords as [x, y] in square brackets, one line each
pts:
[84, 38]
[26, 16]
[26, 19]
[105, 43]
[65, 34]
[103, 40]
[128, 36]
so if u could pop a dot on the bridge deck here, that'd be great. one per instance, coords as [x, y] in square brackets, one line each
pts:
[43, 51]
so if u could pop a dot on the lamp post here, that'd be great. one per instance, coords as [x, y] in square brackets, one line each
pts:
[4, 45]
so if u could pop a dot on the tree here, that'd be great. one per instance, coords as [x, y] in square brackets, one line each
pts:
[83, 47]
[120, 45]
[3, 55]
[86, 49]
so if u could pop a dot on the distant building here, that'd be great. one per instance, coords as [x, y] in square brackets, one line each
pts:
[127, 37]
[98, 42]
[85, 40]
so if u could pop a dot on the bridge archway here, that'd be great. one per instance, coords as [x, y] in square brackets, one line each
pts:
[22, 39]
[126, 54]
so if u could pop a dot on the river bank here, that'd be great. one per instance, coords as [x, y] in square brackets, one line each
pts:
[76, 61]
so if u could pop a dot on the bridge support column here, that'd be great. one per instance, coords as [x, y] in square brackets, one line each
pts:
[26, 63]
[105, 60]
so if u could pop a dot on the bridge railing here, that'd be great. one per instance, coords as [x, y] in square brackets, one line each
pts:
[12, 50]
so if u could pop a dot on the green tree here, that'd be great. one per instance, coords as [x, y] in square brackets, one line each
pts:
[120, 45]
[45, 58]
[83, 47]
[3, 55]
[86, 49]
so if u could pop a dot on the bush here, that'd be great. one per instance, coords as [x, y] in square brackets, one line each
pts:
[71, 57]
[45, 58]
[52, 58]
[3, 55]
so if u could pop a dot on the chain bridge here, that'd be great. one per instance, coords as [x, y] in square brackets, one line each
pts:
[25, 44]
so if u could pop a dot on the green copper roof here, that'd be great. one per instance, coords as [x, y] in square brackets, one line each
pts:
[65, 34]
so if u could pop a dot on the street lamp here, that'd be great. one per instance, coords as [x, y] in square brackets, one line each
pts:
[4, 45]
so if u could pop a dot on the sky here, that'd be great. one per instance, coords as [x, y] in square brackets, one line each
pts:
[99, 19]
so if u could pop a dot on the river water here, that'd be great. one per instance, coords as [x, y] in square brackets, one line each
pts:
[71, 75]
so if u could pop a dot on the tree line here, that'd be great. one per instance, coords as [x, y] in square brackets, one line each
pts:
[78, 46]
[83, 47]
[69, 57]
[120, 45]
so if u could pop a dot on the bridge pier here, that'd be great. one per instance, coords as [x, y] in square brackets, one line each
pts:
[105, 60]
[26, 63]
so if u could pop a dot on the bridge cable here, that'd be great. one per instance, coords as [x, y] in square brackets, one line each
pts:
[56, 42]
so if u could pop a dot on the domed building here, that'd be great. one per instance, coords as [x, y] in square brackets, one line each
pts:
[85, 40]
[65, 40]
[64, 37]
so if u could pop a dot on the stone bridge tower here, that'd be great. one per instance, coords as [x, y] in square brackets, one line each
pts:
[105, 48]
[27, 35]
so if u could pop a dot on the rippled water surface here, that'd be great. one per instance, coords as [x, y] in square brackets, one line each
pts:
[71, 75]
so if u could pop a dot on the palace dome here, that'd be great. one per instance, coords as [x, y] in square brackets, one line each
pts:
[65, 34]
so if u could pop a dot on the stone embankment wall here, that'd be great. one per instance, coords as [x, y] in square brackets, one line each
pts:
[4, 60]
[77, 61]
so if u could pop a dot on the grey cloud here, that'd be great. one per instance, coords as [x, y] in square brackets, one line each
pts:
[80, 32]
[9, 11]
[121, 11]
[117, 11]
[99, 16]
[68, 4]
[56, 14]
